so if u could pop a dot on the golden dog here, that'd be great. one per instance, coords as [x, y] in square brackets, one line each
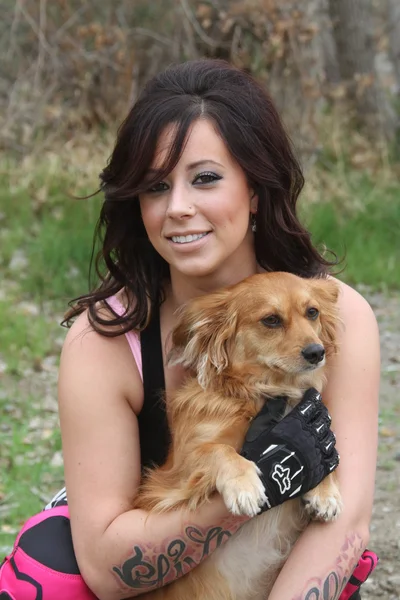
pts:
[242, 343]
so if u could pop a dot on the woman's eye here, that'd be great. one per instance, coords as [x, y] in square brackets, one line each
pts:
[272, 321]
[207, 177]
[312, 313]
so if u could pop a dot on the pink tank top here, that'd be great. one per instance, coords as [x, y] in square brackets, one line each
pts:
[132, 336]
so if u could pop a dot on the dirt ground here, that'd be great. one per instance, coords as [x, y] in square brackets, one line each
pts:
[384, 583]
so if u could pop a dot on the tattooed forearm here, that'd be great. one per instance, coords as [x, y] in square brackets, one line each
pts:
[332, 585]
[151, 567]
[328, 589]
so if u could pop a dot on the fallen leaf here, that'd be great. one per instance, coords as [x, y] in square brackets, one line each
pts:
[387, 432]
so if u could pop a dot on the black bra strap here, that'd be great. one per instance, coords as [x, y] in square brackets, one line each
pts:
[153, 425]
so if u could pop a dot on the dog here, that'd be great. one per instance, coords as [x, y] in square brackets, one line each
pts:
[267, 336]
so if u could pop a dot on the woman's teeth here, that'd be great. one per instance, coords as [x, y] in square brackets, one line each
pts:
[185, 239]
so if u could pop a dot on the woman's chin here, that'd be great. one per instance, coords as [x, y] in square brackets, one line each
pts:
[194, 268]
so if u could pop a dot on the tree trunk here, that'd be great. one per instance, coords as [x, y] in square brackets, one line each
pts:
[297, 77]
[394, 38]
[328, 44]
[353, 31]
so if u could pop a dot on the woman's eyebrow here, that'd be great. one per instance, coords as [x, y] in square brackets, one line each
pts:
[189, 167]
[199, 163]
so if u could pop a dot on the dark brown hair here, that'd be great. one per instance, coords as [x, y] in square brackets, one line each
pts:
[249, 124]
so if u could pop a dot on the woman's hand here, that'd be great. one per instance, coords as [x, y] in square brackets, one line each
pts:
[295, 453]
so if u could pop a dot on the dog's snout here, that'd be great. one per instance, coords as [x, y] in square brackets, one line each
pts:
[313, 353]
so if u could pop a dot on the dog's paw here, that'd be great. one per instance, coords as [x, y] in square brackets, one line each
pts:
[322, 508]
[243, 494]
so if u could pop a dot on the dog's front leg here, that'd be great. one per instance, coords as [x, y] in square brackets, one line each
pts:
[217, 466]
[324, 502]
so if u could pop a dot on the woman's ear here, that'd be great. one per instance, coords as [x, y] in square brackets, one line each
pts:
[253, 201]
[202, 337]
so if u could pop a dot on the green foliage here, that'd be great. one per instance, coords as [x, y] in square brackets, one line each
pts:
[22, 336]
[28, 478]
[364, 233]
[54, 237]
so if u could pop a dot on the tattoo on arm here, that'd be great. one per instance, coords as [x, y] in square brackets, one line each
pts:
[331, 587]
[151, 567]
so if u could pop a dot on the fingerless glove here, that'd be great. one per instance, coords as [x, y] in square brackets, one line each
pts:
[294, 453]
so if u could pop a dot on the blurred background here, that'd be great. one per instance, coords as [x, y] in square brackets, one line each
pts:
[69, 72]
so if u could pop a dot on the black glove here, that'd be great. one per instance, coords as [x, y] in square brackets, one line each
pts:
[294, 453]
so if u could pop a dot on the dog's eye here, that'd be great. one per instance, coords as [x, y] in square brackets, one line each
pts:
[272, 321]
[312, 313]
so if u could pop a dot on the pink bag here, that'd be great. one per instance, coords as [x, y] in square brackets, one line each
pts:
[363, 570]
[52, 572]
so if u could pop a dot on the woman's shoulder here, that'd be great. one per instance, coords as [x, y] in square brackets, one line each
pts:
[105, 312]
[89, 356]
[352, 305]
[357, 321]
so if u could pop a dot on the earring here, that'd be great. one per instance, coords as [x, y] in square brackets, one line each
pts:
[253, 222]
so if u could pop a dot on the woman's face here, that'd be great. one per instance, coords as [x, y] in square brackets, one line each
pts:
[197, 218]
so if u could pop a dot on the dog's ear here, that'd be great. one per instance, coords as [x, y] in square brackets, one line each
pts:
[327, 292]
[202, 338]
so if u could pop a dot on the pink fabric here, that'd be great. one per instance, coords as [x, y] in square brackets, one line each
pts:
[363, 570]
[23, 578]
[132, 336]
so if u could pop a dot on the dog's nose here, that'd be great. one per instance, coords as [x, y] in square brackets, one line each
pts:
[313, 353]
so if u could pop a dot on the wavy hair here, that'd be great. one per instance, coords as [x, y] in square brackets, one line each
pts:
[249, 124]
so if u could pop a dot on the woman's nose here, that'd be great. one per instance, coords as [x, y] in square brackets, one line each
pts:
[179, 203]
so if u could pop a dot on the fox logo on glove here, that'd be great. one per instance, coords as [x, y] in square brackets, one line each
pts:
[282, 477]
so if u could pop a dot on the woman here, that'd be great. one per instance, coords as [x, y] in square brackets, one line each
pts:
[200, 192]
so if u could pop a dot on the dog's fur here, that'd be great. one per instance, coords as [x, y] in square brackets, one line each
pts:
[238, 360]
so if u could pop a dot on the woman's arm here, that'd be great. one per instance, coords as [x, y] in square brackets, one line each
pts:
[157, 549]
[100, 393]
[326, 554]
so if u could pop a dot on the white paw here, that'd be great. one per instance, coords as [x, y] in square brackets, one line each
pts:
[322, 509]
[243, 494]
